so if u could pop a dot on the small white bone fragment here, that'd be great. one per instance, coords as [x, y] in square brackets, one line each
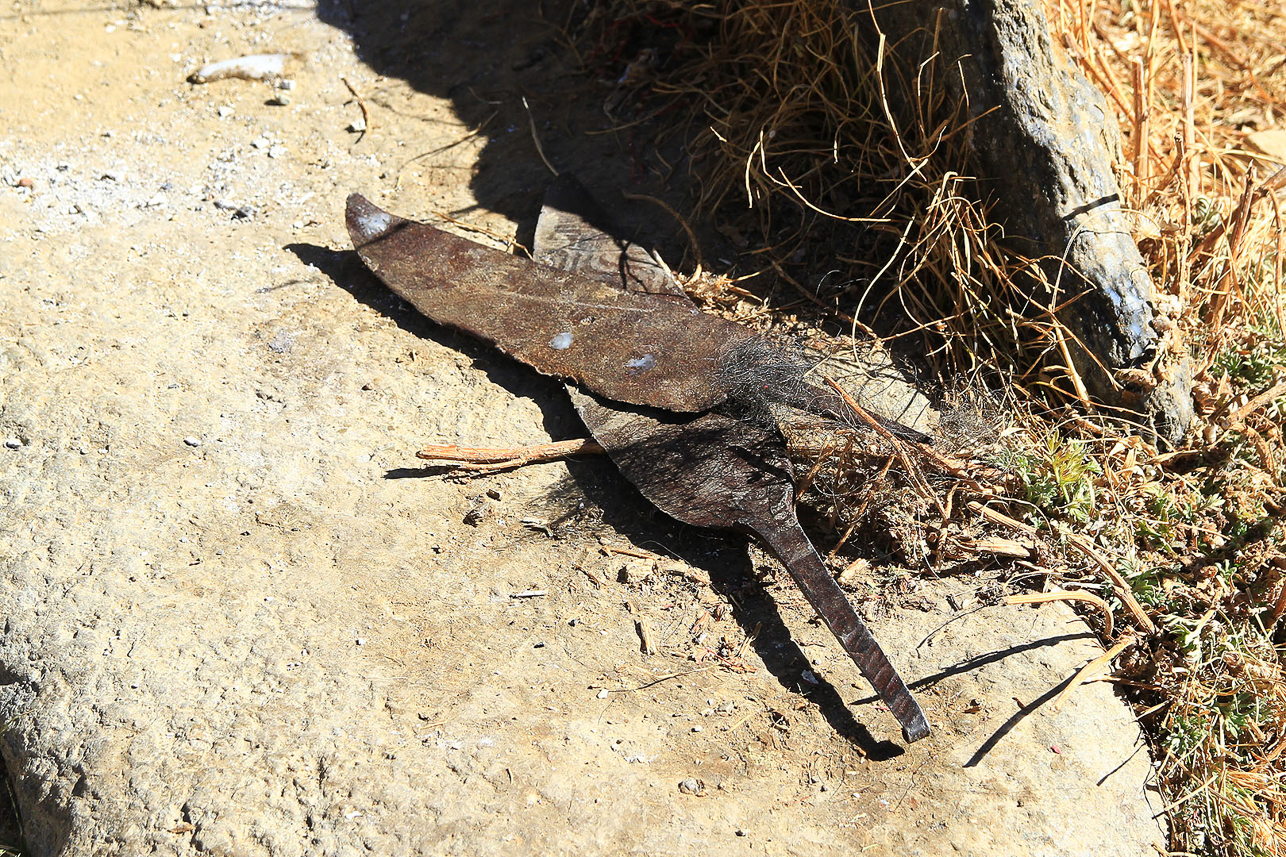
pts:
[251, 67]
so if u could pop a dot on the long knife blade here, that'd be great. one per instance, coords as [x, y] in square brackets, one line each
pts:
[741, 472]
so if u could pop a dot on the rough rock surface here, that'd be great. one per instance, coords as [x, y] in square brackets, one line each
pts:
[235, 624]
[1046, 145]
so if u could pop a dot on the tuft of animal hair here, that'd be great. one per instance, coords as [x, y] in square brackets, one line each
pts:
[758, 374]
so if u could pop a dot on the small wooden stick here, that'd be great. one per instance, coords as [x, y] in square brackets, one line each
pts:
[953, 466]
[1122, 585]
[499, 458]
[999, 546]
[898, 446]
[1066, 595]
[361, 103]
[1253, 404]
[1093, 668]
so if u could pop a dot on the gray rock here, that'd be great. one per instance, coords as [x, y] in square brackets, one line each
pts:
[1045, 145]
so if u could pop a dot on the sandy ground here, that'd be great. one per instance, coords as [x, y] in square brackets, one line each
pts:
[242, 619]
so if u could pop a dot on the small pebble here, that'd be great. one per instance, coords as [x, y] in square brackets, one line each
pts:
[357, 126]
[276, 151]
[225, 111]
[285, 83]
[13, 443]
[602, 694]
[279, 99]
[192, 441]
[692, 786]
[260, 142]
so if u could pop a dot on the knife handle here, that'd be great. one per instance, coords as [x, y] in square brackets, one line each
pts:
[796, 552]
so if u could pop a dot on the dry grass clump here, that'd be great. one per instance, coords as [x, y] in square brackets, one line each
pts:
[855, 210]
[1201, 92]
[863, 213]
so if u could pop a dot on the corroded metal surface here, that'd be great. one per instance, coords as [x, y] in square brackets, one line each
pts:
[713, 471]
[615, 322]
[710, 470]
[642, 349]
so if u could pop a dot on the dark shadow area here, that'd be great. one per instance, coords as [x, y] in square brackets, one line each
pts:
[47, 823]
[11, 836]
[488, 56]
[416, 472]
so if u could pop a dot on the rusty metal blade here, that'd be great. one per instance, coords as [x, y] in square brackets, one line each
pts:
[637, 348]
[625, 331]
[713, 471]
[709, 470]
[574, 234]
[805, 565]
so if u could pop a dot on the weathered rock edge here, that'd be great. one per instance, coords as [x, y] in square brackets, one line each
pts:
[1044, 143]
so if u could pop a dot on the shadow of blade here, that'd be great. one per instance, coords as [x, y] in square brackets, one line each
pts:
[992, 657]
[754, 608]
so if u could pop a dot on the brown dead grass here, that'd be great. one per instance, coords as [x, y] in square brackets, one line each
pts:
[797, 152]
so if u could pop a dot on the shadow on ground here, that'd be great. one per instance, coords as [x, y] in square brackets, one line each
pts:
[506, 67]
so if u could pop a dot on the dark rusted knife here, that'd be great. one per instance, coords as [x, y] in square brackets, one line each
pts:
[710, 470]
[619, 326]
[640, 348]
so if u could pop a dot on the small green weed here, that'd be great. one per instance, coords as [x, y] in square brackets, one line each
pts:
[1057, 476]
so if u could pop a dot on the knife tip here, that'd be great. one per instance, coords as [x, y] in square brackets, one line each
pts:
[366, 221]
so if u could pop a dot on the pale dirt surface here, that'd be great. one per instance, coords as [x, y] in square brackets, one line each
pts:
[239, 620]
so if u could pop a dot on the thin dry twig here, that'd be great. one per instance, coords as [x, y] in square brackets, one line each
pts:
[366, 113]
[1067, 595]
[1080, 543]
[1093, 668]
[503, 458]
